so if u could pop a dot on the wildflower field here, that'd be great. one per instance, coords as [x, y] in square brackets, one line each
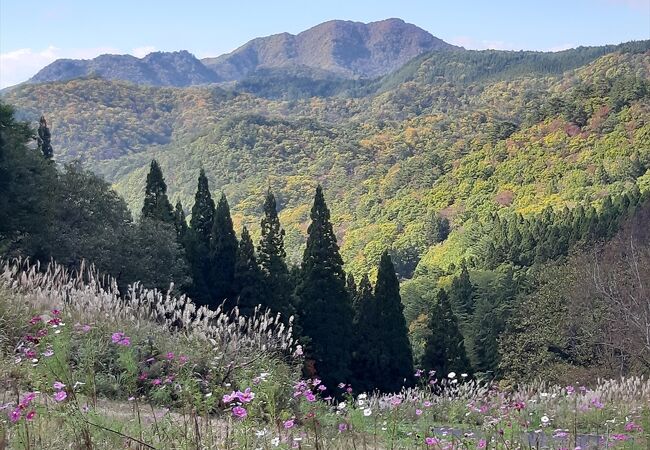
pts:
[84, 368]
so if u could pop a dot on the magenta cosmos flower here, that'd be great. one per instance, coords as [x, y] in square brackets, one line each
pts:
[120, 338]
[60, 396]
[288, 424]
[239, 412]
[30, 415]
[430, 441]
[14, 415]
[246, 396]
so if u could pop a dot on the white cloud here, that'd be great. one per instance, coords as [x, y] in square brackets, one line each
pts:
[560, 47]
[478, 44]
[17, 66]
[140, 52]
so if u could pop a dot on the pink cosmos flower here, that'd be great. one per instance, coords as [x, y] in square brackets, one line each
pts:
[321, 387]
[430, 441]
[41, 333]
[54, 321]
[343, 427]
[143, 376]
[156, 382]
[28, 398]
[309, 395]
[120, 338]
[227, 398]
[14, 415]
[34, 320]
[620, 437]
[631, 426]
[49, 352]
[418, 412]
[239, 412]
[30, 415]
[183, 359]
[246, 396]
[427, 404]
[316, 382]
[58, 385]
[170, 356]
[60, 396]
[288, 424]
[56, 312]
[482, 443]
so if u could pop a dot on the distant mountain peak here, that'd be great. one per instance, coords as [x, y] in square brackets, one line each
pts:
[346, 48]
[179, 68]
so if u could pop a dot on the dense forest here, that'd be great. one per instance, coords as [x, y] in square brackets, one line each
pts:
[480, 202]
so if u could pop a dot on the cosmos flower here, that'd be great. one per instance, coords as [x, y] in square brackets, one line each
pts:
[239, 412]
[60, 396]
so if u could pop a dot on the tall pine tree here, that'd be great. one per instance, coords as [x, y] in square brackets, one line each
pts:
[444, 351]
[461, 294]
[396, 357]
[271, 255]
[223, 254]
[44, 139]
[198, 242]
[180, 222]
[325, 308]
[156, 204]
[365, 367]
[248, 277]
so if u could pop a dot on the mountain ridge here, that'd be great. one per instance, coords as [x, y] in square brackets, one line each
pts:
[349, 49]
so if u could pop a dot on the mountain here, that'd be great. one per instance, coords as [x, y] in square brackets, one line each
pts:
[156, 69]
[460, 134]
[345, 48]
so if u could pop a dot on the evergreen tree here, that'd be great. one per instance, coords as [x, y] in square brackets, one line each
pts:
[351, 286]
[156, 204]
[365, 366]
[396, 357]
[180, 222]
[325, 308]
[271, 254]
[223, 254]
[198, 241]
[461, 294]
[248, 277]
[44, 139]
[444, 350]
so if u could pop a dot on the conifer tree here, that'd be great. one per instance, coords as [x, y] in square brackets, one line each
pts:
[223, 254]
[396, 357]
[248, 277]
[365, 365]
[271, 255]
[180, 222]
[351, 286]
[325, 308]
[461, 294]
[198, 241]
[44, 139]
[444, 351]
[156, 204]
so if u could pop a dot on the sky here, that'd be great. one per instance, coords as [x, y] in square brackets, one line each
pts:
[33, 33]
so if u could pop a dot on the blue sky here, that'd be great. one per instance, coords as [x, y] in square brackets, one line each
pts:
[33, 33]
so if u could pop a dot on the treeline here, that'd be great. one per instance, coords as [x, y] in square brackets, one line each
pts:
[72, 216]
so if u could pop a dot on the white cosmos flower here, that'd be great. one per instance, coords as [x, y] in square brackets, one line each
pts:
[452, 374]
[367, 412]
[341, 405]
[545, 420]
[275, 441]
[362, 396]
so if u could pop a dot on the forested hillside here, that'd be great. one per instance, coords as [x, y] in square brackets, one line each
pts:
[475, 171]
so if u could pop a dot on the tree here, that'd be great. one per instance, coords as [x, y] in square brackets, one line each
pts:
[444, 351]
[156, 204]
[461, 294]
[248, 277]
[325, 308]
[365, 365]
[223, 254]
[44, 139]
[351, 286]
[180, 222]
[271, 254]
[396, 357]
[198, 241]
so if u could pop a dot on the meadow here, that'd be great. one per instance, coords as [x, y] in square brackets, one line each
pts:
[84, 367]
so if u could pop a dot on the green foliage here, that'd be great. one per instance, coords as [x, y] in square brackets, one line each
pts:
[395, 355]
[156, 204]
[325, 309]
[277, 284]
[223, 255]
[248, 280]
[444, 351]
